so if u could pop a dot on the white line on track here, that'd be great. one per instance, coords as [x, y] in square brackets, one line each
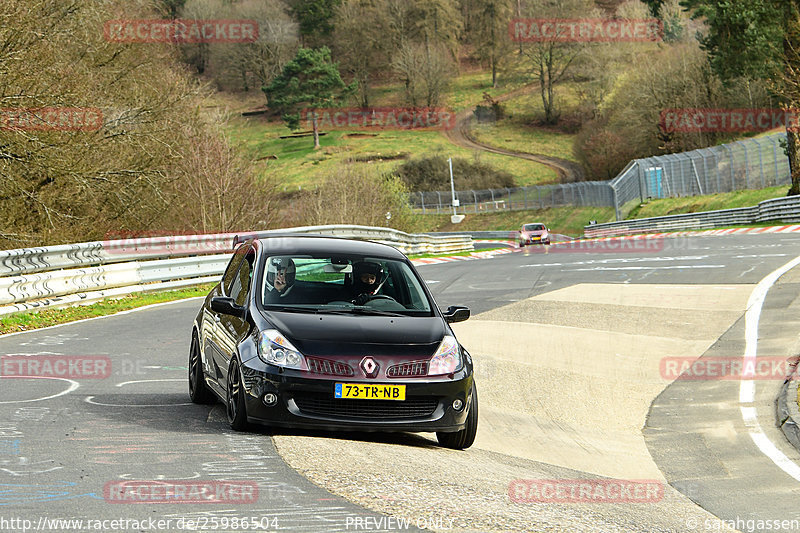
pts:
[73, 385]
[643, 268]
[146, 381]
[747, 388]
[127, 311]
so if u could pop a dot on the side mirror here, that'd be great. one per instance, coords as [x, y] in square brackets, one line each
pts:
[226, 306]
[456, 313]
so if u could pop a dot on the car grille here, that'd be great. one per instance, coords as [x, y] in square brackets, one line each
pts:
[405, 370]
[331, 368]
[321, 404]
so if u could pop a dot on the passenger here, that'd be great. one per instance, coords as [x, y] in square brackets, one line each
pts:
[280, 278]
[366, 280]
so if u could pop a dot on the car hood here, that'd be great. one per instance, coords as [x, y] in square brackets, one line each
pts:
[535, 233]
[339, 335]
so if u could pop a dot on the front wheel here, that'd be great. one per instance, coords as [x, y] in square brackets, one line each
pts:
[198, 390]
[236, 409]
[463, 439]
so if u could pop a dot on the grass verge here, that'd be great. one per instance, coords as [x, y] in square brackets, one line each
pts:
[710, 202]
[566, 220]
[51, 317]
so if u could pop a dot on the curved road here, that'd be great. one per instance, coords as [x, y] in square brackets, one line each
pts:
[567, 349]
[460, 134]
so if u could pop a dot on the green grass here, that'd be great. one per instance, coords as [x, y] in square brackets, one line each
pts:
[450, 254]
[566, 220]
[516, 133]
[299, 165]
[711, 202]
[51, 317]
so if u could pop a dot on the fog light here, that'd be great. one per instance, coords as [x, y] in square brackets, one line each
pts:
[457, 405]
[270, 399]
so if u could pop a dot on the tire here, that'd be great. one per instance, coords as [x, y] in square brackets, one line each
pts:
[198, 390]
[235, 408]
[461, 440]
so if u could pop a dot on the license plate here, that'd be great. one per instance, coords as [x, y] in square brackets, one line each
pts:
[361, 391]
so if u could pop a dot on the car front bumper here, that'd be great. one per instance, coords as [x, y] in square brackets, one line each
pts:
[305, 402]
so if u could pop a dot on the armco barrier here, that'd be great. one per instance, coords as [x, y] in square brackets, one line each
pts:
[786, 209]
[56, 276]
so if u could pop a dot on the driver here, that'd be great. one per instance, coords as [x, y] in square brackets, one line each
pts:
[280, 278]
[366, 280]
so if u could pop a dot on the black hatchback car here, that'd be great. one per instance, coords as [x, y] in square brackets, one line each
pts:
[330, 333]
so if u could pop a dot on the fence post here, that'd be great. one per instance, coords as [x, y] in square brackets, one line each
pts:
[774, 156]
[760, 162]
[746, 167]
[733, 178]
[474, 201]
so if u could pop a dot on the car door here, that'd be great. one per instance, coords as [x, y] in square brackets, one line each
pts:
[230, 329]
[210, 336]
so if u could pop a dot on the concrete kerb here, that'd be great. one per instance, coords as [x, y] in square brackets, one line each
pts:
[787, 412]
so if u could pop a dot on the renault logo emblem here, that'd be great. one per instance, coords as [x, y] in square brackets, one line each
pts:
[370, 367]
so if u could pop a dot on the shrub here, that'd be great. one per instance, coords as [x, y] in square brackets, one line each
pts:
[433, 174]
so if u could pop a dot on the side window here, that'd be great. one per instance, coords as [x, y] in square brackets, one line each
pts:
[241, 282]
[233, 267]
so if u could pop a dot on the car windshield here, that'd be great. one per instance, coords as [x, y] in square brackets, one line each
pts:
[534, 227]
[342, 285]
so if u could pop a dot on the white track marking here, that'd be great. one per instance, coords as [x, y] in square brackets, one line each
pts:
[127, 311]
[145, 381]
[90, 400]
[747, 389]
[675, 267]
[72, 387]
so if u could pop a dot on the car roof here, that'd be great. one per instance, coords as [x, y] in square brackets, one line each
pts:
[319, 244]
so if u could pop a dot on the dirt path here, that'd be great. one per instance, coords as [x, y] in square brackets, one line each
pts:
[460, 134]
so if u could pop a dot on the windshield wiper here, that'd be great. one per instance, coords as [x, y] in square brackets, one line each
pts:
[290, 308]
[357, 311]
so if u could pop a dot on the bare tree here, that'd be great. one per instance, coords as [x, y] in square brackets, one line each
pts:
[254, 65]
[426, 71]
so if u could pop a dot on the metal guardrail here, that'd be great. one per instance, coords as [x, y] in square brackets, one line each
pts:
[29, 260]
[786, 209]
[56, 276]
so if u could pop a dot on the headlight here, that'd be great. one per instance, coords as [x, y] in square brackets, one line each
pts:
[275, 349]
[447, 358]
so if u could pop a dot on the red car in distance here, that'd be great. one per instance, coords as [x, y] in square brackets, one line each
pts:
[534, 233]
